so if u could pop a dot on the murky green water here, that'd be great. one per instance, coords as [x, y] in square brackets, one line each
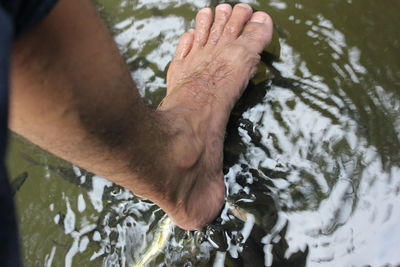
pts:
[311, 158]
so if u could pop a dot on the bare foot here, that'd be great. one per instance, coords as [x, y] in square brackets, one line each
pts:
[212, 67]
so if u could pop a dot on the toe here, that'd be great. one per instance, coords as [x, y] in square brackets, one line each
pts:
[257, 32]
[222, 14]
[204, 20]
[240, 16]
[185, 44]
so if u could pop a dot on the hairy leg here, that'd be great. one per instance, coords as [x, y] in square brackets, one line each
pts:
[72, 95]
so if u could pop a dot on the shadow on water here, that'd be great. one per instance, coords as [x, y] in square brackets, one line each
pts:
[259, 200]
[259, 208]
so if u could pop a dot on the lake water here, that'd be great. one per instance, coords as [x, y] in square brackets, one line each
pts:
[312, 162]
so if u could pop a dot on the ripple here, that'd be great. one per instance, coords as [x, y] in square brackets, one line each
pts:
[311, 154]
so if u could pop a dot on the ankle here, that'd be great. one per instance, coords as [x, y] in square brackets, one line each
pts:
[184, 152]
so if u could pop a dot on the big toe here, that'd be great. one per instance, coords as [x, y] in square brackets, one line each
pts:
[258, 32]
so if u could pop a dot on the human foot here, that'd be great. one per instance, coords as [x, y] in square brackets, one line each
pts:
[209, 73]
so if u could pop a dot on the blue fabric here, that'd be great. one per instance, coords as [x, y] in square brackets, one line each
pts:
[16, 16]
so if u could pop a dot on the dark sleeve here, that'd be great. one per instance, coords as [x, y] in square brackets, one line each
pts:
[9, 250]
[30, 12]
[25, 13]
[16, 16]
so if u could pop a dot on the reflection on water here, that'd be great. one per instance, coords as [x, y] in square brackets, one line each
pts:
[312, 165]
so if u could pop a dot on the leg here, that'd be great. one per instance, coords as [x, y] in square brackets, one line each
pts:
[72, 95]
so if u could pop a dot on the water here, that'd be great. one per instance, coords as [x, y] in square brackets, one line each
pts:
[312, 158]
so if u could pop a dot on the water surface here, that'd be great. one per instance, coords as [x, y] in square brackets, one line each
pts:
[312, 158]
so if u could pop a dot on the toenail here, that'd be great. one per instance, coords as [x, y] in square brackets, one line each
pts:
[244, 6]
[204, 10]
[258, 17]
[224, 7]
